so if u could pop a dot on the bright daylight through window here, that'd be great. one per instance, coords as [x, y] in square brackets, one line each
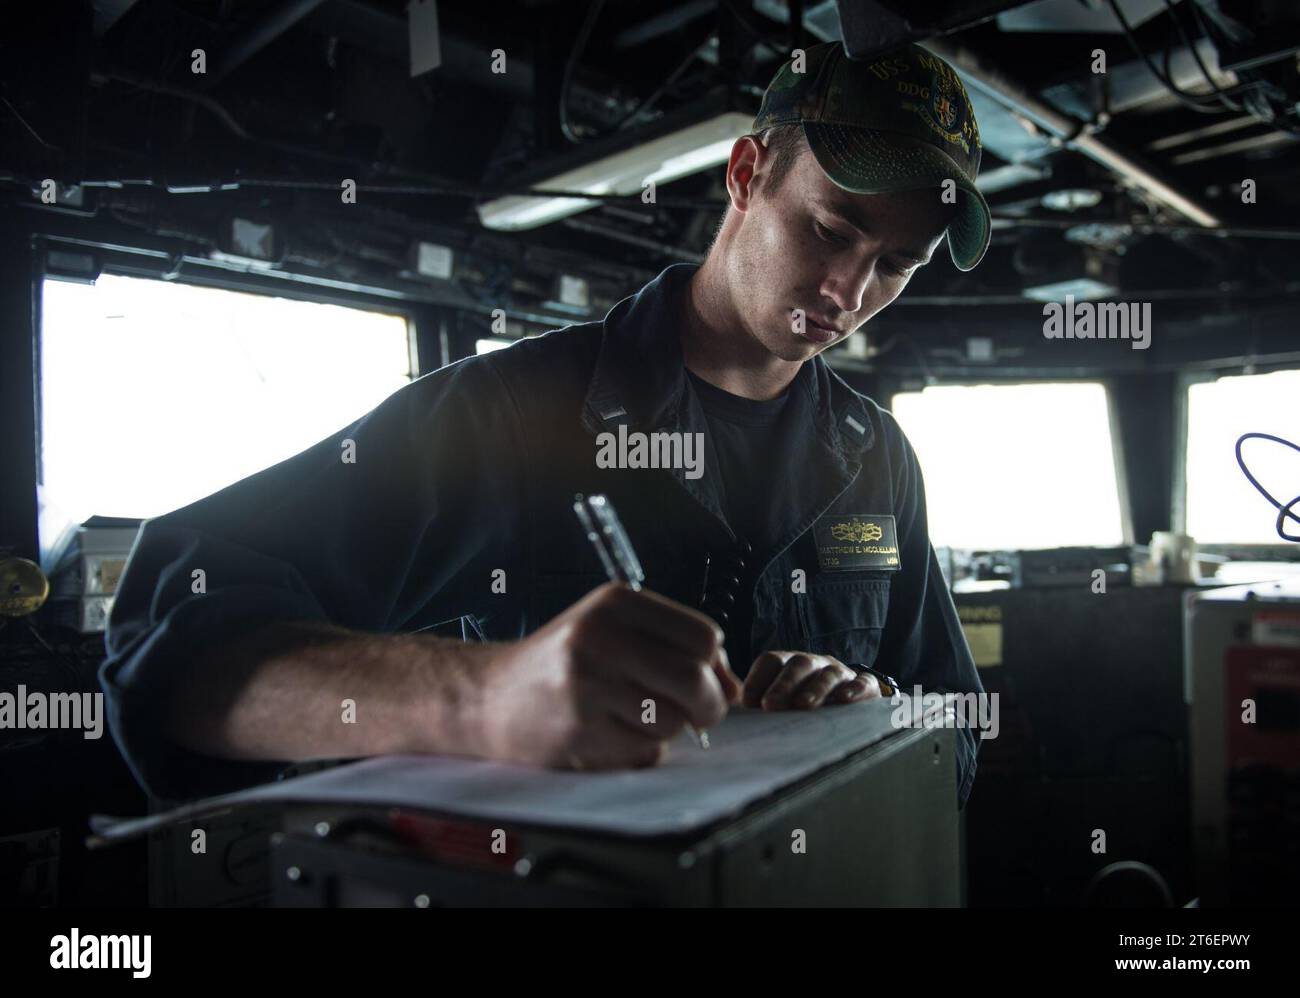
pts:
[155, 394]
[1015, 466]
[1222, 507]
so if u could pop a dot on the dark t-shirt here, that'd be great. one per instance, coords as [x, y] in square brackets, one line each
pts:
[753, 444]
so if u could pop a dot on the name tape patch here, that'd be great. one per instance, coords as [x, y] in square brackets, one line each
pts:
[864, 540]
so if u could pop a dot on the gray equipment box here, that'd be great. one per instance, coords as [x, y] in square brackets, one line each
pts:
[878, 828]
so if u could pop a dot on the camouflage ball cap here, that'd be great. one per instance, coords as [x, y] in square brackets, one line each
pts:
[901, 121]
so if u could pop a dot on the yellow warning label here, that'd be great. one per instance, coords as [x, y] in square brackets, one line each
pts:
[985, 640]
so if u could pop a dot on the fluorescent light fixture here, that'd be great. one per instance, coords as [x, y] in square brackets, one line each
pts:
[1081, 289]
[491, 343]
[688, 150]
[1071, 199]
[694, 161]
[1011, 175]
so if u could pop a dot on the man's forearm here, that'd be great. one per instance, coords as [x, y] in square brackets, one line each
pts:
[280, 694]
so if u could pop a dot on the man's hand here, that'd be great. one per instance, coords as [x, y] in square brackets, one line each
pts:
[786, 680]
[573, 694]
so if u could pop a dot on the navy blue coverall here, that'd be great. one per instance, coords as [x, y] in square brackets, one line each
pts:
[473, 468]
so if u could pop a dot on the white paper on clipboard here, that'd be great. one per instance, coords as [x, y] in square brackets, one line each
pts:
[754, 753]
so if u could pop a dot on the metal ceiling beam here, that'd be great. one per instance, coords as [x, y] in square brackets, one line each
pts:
[1069, 130]
[1206, 132]
[869, 27]
[1253, 143]
[663, 23]
[108, 13]
[259, 35]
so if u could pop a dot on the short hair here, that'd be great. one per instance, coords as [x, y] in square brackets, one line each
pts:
[785, 143]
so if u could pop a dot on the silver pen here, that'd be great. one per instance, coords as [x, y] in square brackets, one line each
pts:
[607, 536]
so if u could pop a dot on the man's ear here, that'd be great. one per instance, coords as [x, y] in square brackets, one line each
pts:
[746, 155]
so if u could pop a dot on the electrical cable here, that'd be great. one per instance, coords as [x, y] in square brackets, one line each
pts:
[648, 104]
[1238, 89]
[1169, 5]
[1189, 100]
[1284, 511]
[23, 121]
[579, 44]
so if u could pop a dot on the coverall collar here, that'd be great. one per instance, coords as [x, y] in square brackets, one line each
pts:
[640, 377]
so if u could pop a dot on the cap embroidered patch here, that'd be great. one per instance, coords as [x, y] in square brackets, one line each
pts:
[863, 540]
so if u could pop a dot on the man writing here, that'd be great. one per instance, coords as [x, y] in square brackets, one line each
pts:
[795, 573]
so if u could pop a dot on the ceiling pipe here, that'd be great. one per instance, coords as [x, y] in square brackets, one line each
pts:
[1068, 129]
